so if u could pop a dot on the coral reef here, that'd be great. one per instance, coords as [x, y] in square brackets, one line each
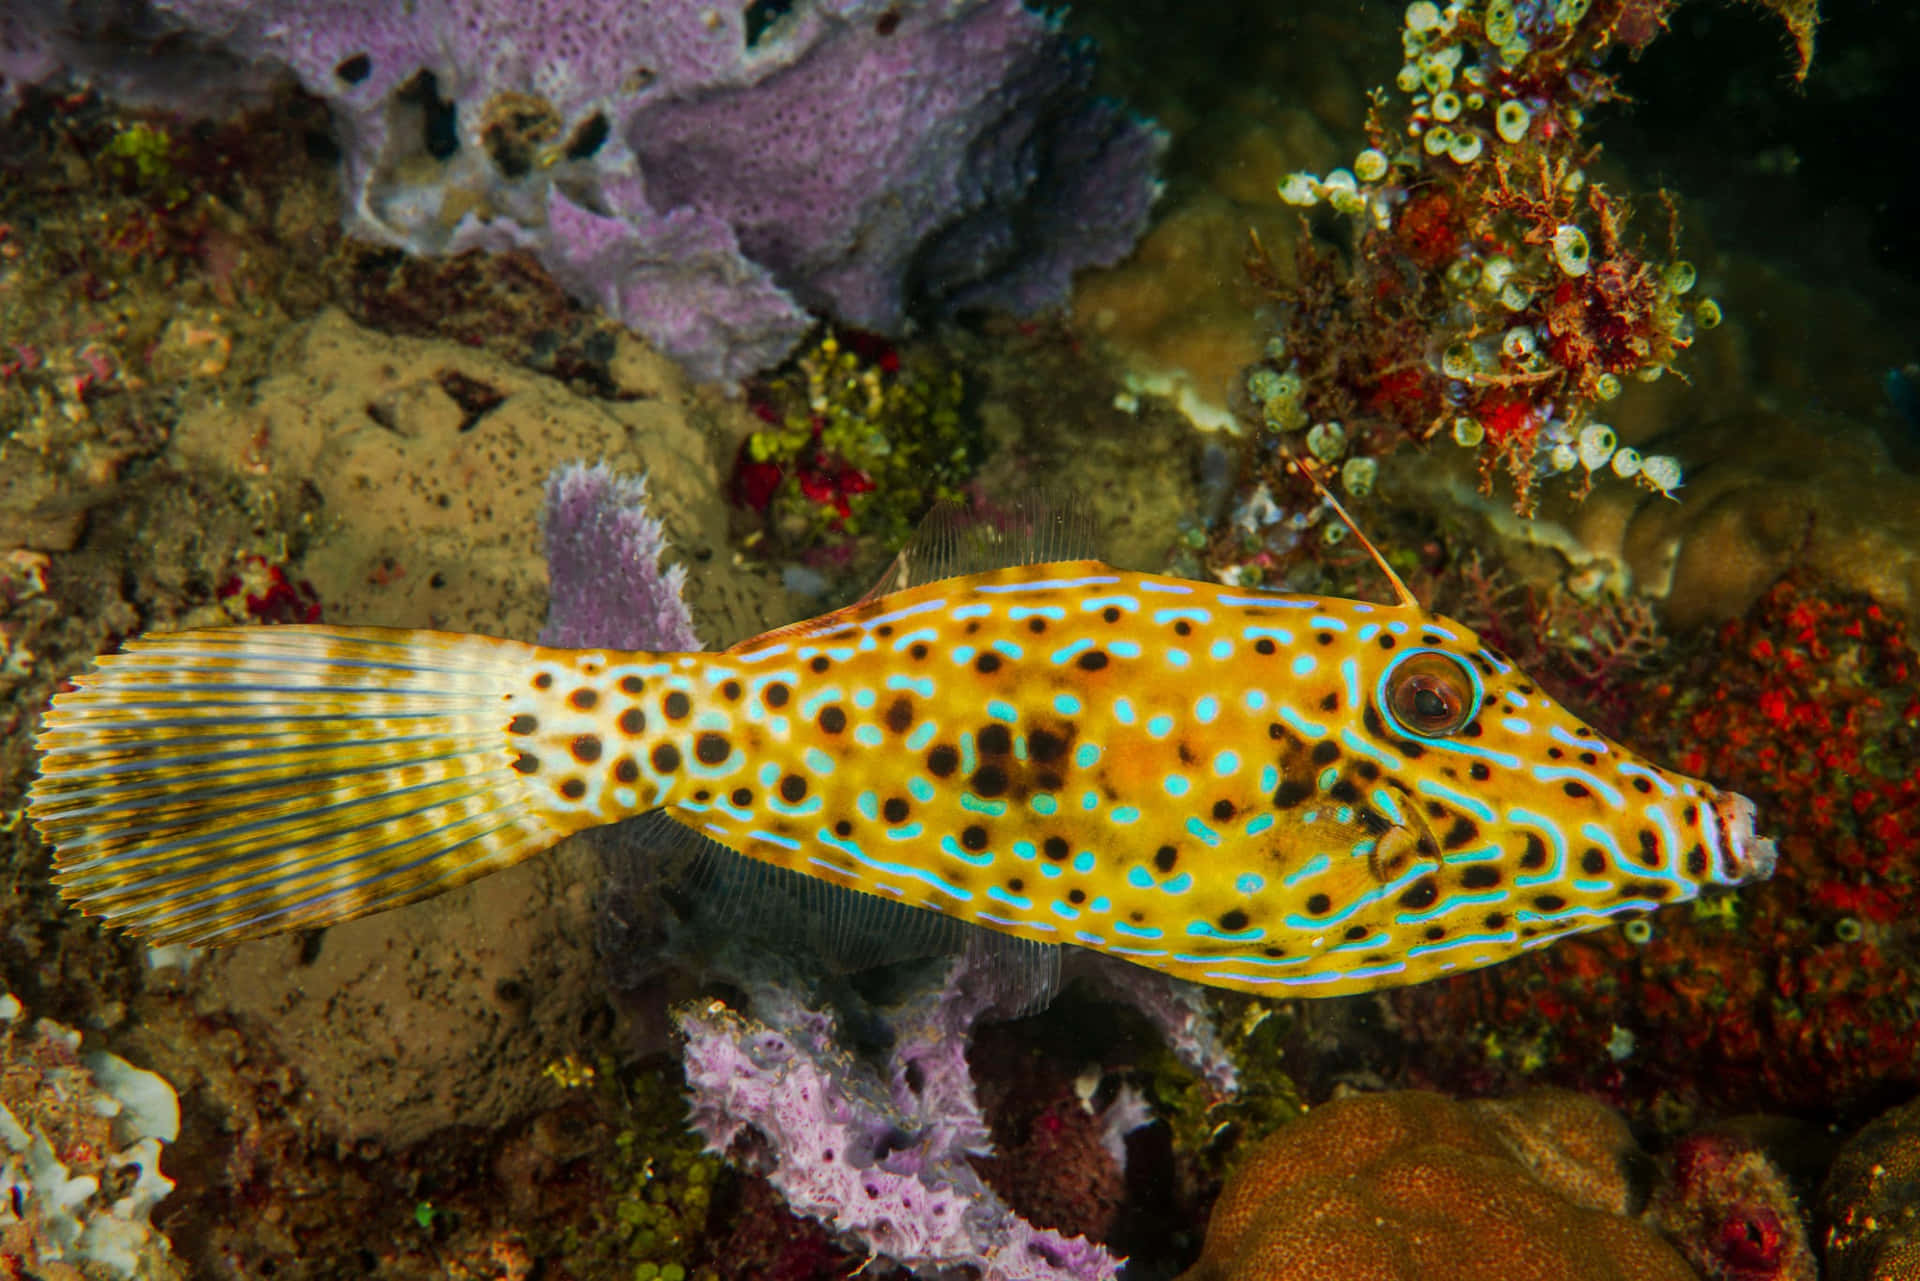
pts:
[606, 585]
[81, 1136]
[859, 441]
[704, 176]
[1798, 997]
[1871, 1201]
[1414, 1185]
[1733, 1213]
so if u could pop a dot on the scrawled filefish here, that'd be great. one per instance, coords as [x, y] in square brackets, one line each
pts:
[1276, 793]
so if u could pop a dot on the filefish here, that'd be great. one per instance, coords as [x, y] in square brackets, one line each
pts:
[1277, 793]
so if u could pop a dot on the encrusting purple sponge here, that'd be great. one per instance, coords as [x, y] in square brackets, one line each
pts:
[708, 183]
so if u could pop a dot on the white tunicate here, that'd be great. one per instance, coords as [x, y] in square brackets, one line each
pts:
[1681, 276]
[1370, 165]
[1563, 458]
[1333, 534]
[1568, 12]
[1423, 15]
[1495, 273]
[1606, 386]
[1301, 189]
[1458, 361]
[1358, 476]
[1409, 78]
[1597, 443]
[1515, 52]
[1438, 140]
[1263, 385]
[1570, 249]
[1474, 77]
[1350, 203]
[1511, 120]
[1465, 147]
[1518, 343]
[1436, 76]
[1339, 180]
[1291, 387]
[1276, 348]
[1660, 472]
[1446, 106]
[1707, 314]
[1449, 56]
[1626, 462]
[1515, 296]
[1467, 432]
[1327, 441]
[1463, 274]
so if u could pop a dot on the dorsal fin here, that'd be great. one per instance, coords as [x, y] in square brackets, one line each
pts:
[1400, 590]
[1033, 527]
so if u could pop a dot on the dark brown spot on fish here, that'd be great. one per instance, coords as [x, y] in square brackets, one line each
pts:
[1495, 920]
[1016, 884]
[895, 810]
[1436, 932]
[543, 680]
[586, 748]
[1535, 855]
[1036, 625]
[1424, 892]
[832, 719]
[1264, 645]
[1649, 848]
[793, 789]
[1690, 815]
[1480, 876]
[973, 627]
[1376, 823]
[1233, 920]
[820, 663]
[1076, 895]
[1092, 661]
[1055, 848]
[677, 705]
[987, 664]
[730, 690]
[974, 837]
[1345, 792]
[583, 699]
[1290, 793]
[666, 758]
[1185, 753]
[1412, 751]
[1463, 832]
[1136, 916]
[1472, 730]
[1432, 638]
[1697, 861]
[942, 761]
[1588, 758]
[1182, 627]
[1554, 753]
[1274, 730]
[1592, 861]
[1275, 952]
[1222, 811]
[1578, 791]
[1324, 638]
[1387, 641]
[632, 722]
[1045, 745]
[1331, 703]
[989, 780]
[632, 685]
[1641, 786]
[711, 749]
[742, 796]
[626, 770]
[884, 630]
[995, 740]
[702, 795]
[573, 788]
[777, 694]
[527, 763]
[1325, 753]
[1436, 810]
[899, 715]
[1111, 613]
[522, 724]
[1479, 772]
[1646, 889]
[1319, 905]
[1368, 771]
[1355, 933]
[1165, 859]
[918, 652]
[1048, 781]
[843, 828]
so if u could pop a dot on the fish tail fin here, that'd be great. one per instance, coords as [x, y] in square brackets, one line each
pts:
[210, 786]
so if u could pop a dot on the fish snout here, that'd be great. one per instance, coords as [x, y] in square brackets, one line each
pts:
[1743, 856]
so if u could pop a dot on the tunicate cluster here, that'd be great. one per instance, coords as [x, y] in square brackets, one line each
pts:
[1510, 121]
[1596, 445]
[1327, 441]
[1571, 252]
[1278, 394]
[1468, 432]
[1358, 476]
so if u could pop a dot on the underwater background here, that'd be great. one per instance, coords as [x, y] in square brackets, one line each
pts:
[1599, 316]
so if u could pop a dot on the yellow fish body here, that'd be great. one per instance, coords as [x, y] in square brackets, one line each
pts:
[1283, 794]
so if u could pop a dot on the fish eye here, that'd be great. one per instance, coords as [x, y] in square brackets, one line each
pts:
[1431, 694]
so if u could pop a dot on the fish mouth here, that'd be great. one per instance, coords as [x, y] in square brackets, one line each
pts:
[1743, 856]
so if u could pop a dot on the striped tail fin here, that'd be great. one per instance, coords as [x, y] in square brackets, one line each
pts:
[211, 786]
